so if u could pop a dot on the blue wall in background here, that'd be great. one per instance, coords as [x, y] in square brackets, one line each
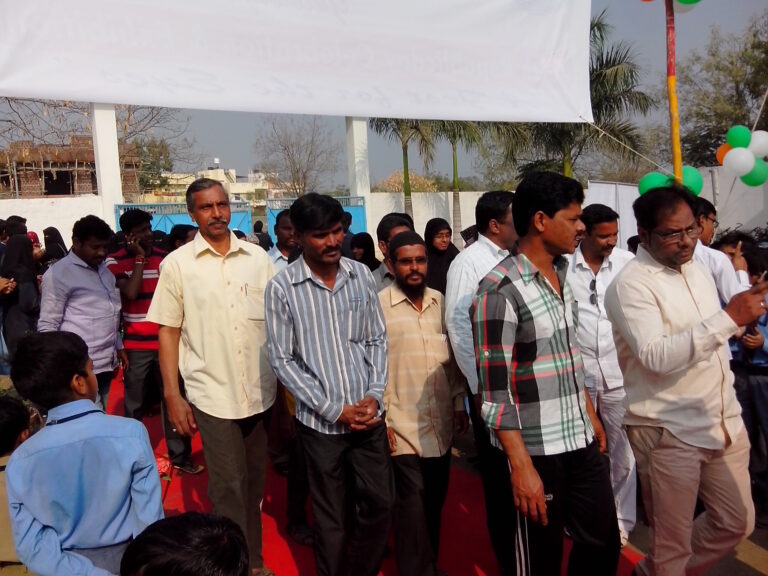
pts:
[166, 216]
[355, 205]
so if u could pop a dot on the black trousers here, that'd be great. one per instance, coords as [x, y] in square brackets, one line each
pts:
[297, 486]
[104, 380]
[331, 460]
[421, 485]
[497, 489]
[577, 486]
[236, 454]
[142, 375]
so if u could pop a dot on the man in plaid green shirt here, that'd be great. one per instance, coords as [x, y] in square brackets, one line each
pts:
[532, 384]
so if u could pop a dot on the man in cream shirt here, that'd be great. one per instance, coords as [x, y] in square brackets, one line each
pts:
[210, 299]
[683, 420]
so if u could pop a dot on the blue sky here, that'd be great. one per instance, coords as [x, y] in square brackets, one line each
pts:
[230, 135]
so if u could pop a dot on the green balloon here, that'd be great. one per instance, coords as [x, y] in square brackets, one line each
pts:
[652, 180]
[758, 175]
[738, 136]
[689, 1]
[692, 180]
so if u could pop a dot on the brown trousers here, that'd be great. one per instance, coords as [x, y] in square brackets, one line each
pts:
[673, 475]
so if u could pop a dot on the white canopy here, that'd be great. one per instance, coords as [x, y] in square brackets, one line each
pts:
[505, 60]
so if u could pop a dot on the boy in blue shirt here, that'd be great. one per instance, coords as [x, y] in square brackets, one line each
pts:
[86, 484]
[14, 429]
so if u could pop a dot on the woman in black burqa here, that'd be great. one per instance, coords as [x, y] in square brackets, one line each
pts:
[363, 250]
[440, 252]
[21, 308]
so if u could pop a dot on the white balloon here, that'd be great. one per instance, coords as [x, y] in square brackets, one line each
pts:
[683, 8]
[758, 144]
[739, 161]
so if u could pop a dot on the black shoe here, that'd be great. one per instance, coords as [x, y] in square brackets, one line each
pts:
[189, 467]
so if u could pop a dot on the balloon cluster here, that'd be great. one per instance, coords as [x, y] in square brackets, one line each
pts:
[742, 155]
[692, 180]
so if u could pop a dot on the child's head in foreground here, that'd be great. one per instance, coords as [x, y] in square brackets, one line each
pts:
[192, 544]
[53, 368]
[14, 423]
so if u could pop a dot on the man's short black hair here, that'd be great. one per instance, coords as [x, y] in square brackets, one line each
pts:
[703, 207]
[315, 211]
[191, 544]
[346, 220]
[179, 232]
[91, 227]
[405, 238]
[492, 205]
[388, 223]
[133, 218]
[282, 214]
[258, 226]
[756, 258]
[597, 214]
[44, 365]
[2, 226]
[632, 243]
[652, 206]
[547, 192]
[14, 419]
[198, 186]
[16, 218]
[732, 238]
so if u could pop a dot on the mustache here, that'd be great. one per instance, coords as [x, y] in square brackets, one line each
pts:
[331, 249]
[218, 221]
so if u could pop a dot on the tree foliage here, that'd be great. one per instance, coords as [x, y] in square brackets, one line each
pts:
[54, 122]
[721, 86]
[156, 158]
[298, 153]
[406, 131]
[395, 182]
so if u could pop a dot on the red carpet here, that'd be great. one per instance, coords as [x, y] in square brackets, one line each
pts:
[463, 516]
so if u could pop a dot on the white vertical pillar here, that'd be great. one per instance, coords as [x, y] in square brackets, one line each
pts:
[107, 158]
[357, 163]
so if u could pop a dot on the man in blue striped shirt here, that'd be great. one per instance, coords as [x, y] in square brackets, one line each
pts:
[327, 344]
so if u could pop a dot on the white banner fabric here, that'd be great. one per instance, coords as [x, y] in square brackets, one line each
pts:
[503, 60]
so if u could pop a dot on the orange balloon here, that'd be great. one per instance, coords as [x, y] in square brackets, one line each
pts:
[722, 151]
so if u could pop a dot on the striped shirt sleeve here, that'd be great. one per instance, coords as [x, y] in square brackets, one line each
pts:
[375, 344]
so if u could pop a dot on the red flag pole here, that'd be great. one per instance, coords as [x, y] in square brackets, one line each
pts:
[674, 118]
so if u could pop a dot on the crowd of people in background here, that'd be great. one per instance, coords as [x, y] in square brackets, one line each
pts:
[584, 370]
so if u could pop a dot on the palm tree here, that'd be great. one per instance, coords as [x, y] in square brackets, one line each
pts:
[614, 89]
[405, 131]
[470, 134]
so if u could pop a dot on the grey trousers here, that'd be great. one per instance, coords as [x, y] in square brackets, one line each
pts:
[236, 454]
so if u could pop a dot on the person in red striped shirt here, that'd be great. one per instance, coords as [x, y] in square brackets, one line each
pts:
[137, 269]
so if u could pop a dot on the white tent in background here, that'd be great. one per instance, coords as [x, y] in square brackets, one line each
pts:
[501, 60]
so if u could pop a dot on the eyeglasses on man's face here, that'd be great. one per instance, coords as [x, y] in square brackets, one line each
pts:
[713, 221]
[693, 232]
